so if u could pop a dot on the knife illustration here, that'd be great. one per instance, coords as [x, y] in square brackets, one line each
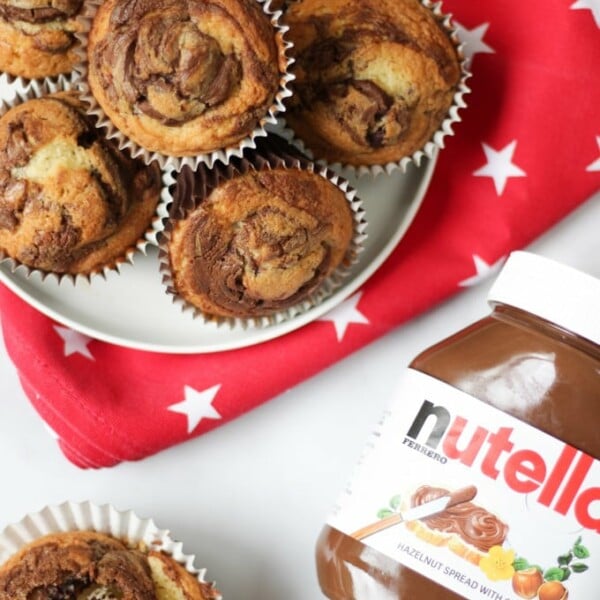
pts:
[419, 512]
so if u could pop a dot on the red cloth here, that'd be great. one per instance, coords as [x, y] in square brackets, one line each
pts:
[535, 103]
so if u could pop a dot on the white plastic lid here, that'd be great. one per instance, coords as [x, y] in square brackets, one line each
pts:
[552, 291]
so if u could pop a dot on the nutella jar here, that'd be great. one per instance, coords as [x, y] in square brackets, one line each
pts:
[482, 480]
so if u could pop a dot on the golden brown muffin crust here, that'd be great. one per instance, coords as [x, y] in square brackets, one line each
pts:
[182, 77]
[375, 78]
[69, 202]
[37, 37]
[61, 566]
[86, 565]
[173, 582]
[259, 242]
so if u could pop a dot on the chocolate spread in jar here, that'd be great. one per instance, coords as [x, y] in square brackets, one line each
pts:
[540, 370]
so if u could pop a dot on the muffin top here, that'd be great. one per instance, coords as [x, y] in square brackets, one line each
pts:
[183, 77]
[258, 242]
[69, 202]
[86, 565]
[38, 11]
[37, 37]
[375, 78]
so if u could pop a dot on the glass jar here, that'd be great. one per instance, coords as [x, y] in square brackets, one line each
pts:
[536, 357]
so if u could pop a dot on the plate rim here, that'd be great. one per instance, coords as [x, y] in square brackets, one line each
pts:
[262, 334]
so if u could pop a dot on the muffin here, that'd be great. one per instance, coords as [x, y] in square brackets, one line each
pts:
[94, 566]
[37, 37]
[374, 78]
[256, 238]
[69, 201]
[88, 565]
[184, 77]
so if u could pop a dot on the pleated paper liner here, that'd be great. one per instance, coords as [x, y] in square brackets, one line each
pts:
[437, 140]
[218, 155]
[125, 526]
[21, 84]
[36, 90]
[272, 153]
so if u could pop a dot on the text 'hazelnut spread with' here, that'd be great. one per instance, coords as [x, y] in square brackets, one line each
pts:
[482, 479]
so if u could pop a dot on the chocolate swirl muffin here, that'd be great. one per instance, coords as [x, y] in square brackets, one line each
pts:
[69, 201]
[184, 77]
[375, 78]
[256, 240]
[37, 37]
[86, 565]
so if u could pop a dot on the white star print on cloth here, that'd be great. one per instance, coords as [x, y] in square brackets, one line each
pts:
[75, 342]
[483, 271]
[344, 314]
[593, 5]
[473, 40]
[197, 406]
[595, 166]
[499, 166]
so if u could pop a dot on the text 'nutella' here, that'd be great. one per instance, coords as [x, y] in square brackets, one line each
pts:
[482, 480]
[524, 470]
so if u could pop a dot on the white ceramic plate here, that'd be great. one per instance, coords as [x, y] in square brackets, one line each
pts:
[132, 308]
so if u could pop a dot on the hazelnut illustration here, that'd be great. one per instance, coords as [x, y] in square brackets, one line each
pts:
[526, 583]
[553, 590]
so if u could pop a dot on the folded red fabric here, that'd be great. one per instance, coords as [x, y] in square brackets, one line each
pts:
[526, 154]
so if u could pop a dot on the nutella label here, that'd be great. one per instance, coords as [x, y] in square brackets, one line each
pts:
[476, 500]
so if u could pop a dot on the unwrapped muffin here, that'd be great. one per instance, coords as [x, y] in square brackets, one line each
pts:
[69, 201]
[37, 37]
[258, 237]
[184, 77]
[375, 78]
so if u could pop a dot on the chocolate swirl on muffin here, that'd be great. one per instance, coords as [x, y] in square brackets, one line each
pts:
[93, 566]
[256, 242]
[182, 77]
[375, 78]
[473, 524]
[63, 567]
[37, 37]
[69, 201]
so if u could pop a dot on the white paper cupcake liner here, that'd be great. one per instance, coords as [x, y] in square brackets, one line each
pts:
[325, 289]
[222, 155]
[104, 518]
[22, 83]
[38, 89]
[437, 140]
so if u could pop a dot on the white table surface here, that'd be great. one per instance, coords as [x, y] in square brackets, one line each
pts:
[249, 498]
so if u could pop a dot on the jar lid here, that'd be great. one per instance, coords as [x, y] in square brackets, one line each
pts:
[552, 291]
